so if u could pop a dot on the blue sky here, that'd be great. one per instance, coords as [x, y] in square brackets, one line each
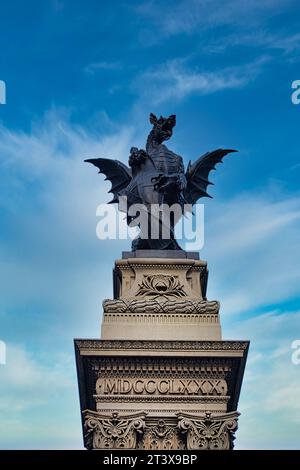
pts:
[81, 80]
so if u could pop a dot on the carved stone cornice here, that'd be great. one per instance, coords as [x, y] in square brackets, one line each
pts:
[161, 306]
[161, 367]
[148, 263]
[210, 432]
[102, 431]
[181, 376]
[162, 398]
[96, 344]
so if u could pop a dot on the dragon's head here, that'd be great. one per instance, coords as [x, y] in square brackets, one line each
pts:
[162, 127]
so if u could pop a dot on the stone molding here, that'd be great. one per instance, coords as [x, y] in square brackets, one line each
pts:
[161, 369]
[96, 344]
[160, 319]
[209, 399]
[164, 263]
[161, 306]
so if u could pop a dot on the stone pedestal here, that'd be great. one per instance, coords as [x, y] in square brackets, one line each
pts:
[160, 377]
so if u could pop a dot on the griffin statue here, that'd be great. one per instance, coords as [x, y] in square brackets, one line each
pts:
[156, 177]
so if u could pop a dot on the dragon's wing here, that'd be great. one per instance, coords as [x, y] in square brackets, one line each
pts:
[116, 172]
[197, 174]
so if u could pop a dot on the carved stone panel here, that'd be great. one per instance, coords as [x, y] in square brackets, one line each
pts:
[161, 305]
[161, 386]
[137, 431]
[209, 433]
[160, 278]
[162, 437]
[156, 286]
[112, 431]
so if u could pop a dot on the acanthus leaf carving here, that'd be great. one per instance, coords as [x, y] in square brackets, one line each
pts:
[112, 431]
[162, 437]
[209, 432]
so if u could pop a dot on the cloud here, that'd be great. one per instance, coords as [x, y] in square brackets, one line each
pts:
[51, 258]
[26, 383]
[233, 23]
[294, 167]
[49, 252]
[287, 44]
[35, 392]
[93, 67]
[269, 401]
[53, 270]
[252, 248]
[172, 19]
[175, 80]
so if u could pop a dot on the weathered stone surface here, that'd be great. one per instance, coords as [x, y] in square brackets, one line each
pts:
[161, 306]
[112, 431]
[167, 278]
[209, 432]
[161, 377]
[160, 299]
[175, 254]
[137, 431]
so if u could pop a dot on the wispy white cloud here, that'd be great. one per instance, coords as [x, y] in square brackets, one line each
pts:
[286, 43]
[48, 200]
[59, 269]
[294, 167]
[26, 383]
[233, 22]
[93, 67]
[176, 80]
[252, 247]
[51, 258]
[34, 394]
[269, 401]
[198, 15]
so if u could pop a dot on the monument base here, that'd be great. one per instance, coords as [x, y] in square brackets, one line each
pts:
[160, 377]
[159, 394]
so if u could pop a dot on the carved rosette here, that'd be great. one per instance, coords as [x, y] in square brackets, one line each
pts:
[114, 431]
[160, 285]
[209, 433]
[162, 437]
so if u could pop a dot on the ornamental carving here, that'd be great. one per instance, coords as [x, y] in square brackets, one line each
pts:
[210, 432]
[160, 285]
[161, 305]
[137, 431]
[149, 367]
[97, 344]
[112, 431]
[162, 437]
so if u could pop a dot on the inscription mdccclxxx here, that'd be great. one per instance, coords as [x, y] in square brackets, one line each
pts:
[108, 386]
